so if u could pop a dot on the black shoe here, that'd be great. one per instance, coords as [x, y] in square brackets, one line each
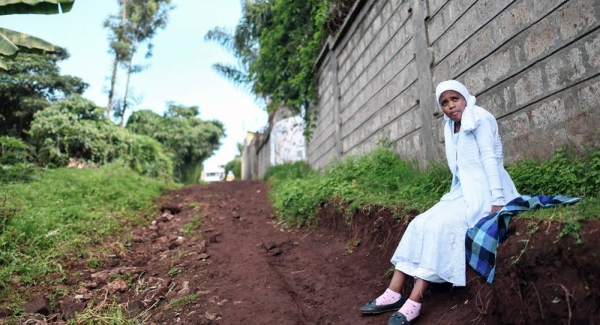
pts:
[400, 319]
[372, 308]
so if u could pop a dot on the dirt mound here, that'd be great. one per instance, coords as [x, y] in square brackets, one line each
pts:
[215, 255]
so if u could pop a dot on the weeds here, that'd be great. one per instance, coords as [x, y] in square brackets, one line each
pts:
[64, 212]
[195, 223]
[182, 301]
[352, 244]
[174, 271]
[389, 273]
[107, 313]
[518, 258]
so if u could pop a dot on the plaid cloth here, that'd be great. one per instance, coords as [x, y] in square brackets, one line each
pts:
[483, 239]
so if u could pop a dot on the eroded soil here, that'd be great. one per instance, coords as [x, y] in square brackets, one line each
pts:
[240, 266]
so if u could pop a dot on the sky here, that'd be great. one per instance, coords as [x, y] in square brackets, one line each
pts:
[180, 69]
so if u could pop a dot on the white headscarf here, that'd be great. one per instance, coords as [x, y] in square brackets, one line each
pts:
[469, 121]
[451, 85]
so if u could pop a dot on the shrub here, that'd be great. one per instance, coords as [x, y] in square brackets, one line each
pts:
[15, 160]
[568, 172]
[74, 128]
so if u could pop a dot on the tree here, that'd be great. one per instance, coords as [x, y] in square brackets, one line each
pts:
[76, 128]
[186, 137]
[136, 25]
[277, 43]
[11, 41]
[31, 83]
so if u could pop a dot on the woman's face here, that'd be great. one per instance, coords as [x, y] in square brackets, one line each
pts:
[453, 104]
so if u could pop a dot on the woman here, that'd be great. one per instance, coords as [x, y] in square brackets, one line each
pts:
[432, 248]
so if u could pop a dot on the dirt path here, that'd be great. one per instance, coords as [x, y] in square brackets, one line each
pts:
[215, 255]
[260, 272]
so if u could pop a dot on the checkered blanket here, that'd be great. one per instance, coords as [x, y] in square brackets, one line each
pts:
[483, 239]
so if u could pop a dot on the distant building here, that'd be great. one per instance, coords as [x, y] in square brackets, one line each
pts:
[213, 174]
[282, 142]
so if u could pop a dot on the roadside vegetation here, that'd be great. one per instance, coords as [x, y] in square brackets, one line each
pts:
[70, 176]
[380, 178]
[276, 44]
[62, 213]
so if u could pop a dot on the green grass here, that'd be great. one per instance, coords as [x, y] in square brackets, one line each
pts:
[378, 178]
[108, 313]
[181, 302]
[381, 178]
[62, 213]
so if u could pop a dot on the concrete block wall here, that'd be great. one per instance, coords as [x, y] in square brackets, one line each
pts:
[322, 148]
[535, 64]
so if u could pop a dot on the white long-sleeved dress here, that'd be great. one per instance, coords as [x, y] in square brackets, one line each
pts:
[433, 245]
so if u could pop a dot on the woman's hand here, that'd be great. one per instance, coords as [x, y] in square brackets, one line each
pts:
[496, 208]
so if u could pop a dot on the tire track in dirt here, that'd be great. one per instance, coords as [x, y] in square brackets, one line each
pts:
[307, 278]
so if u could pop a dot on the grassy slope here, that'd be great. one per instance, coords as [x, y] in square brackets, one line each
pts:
[380, 178]
[63, 212]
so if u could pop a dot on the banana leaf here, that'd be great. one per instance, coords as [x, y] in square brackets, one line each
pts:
[7, 47]
[22, 40]
[47, 7]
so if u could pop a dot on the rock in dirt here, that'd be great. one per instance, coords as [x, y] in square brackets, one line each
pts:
[86, 296]
[71, 280]
[275, 251]
[185, 290]
[170, 209]
[203, 256]
[103, 276]
[161, 292]
[81, 290]
[91, 285]
[165, 217]
[269, 245]
[202, 247]
[174, 244]
[117, 286]
[214, 238]
[70, 306]
[39, 305]
[135, 307]
[211, 316]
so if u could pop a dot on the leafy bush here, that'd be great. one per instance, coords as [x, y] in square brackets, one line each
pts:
[568, 172]
[188, 139]
[75, 128]
[15, 160]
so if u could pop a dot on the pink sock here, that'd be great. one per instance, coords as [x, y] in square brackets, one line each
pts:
[410, 309]
[388, 297]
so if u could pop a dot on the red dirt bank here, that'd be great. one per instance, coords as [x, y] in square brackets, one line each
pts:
[243, 267]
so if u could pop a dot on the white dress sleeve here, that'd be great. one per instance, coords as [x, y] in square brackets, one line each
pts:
[486, 134]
